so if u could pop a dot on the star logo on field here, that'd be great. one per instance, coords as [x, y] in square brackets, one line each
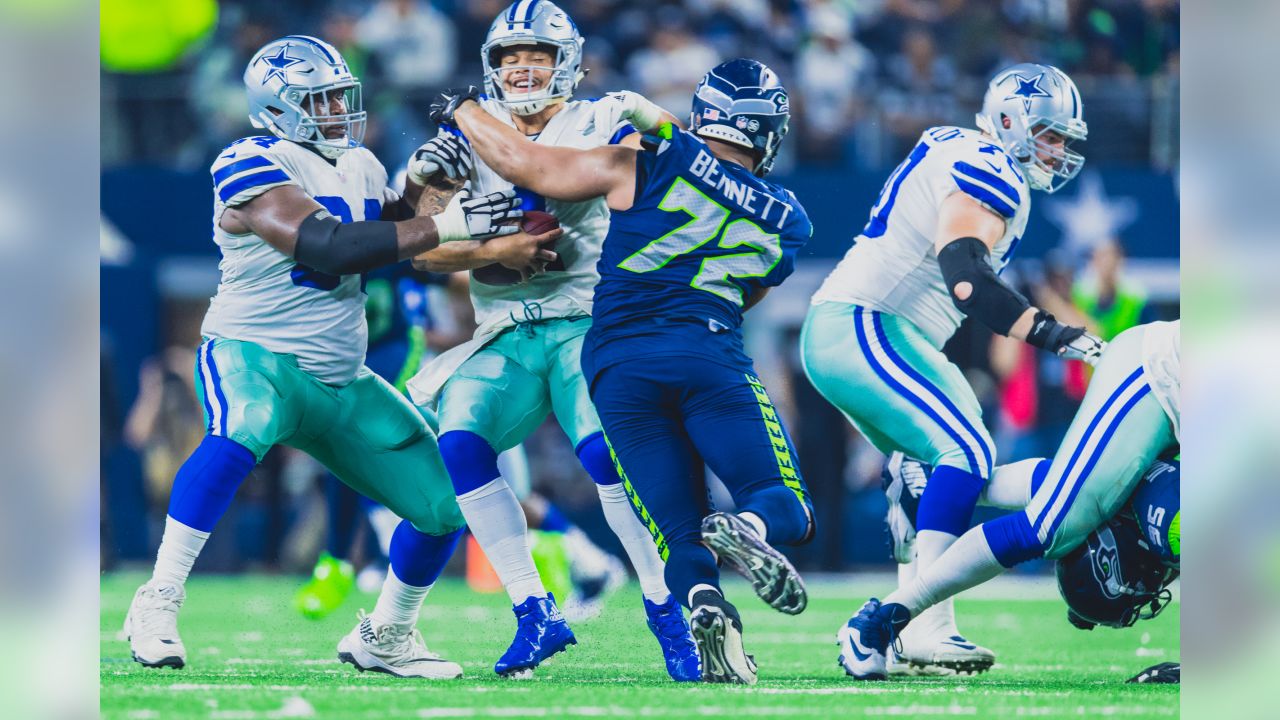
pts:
[279, 63]
[1027, 89]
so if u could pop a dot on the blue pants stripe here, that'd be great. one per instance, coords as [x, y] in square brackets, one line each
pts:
[1075, 455]
[1093, 459]
[899, 388]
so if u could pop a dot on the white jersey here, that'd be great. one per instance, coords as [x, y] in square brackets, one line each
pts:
[1162, 365]
[265, 296]
[892, 266]
[566, 289]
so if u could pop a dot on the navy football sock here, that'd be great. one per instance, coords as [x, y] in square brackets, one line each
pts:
[784, 516]
[418, 558]
[690, 564]
[206, 482]
[948, 500]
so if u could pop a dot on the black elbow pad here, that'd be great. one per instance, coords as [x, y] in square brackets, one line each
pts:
[338, 248]
[991, 302]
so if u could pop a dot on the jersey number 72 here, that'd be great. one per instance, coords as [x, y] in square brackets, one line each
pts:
[757, 253]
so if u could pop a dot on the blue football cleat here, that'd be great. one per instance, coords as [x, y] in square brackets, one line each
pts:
[864, 640]
[667, 623]
[541, 632]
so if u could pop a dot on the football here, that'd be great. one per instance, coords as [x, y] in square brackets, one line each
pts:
[534, 222]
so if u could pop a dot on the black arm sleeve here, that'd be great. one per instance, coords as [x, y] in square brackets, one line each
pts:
[338, 248]
[991, 302]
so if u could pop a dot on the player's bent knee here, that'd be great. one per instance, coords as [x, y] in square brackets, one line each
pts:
[1012, 539]
[593, 453]
[441, 516]
[470, 459]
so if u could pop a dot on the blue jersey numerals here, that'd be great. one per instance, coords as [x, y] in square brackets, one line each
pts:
[304, 276]
[879, 223]
[757, 253]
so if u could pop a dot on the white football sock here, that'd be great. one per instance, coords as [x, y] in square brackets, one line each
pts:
[398, 603]
[967, 563]
[636, 540]
[179, 549]
[1010, 485]
[756, 522]
[497, 521]
[941, 617]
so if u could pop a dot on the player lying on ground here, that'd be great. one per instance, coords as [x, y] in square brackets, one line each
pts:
[1117, 575]
[297, 217]
[948, 220]
[1128, 418]
[697, 236]
[524, 359]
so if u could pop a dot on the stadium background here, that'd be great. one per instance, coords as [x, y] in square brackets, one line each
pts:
[866, 76]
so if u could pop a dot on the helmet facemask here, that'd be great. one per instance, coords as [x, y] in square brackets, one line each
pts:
[561, 77]
[315, 121]
[1062, 163]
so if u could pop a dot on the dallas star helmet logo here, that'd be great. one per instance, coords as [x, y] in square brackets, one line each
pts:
[1028, 88]
[279, 63]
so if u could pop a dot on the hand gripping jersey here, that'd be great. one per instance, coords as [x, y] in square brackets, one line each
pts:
[565, 289]
[1163, 367]
[700, 238]
[892, 266]
[265, 296]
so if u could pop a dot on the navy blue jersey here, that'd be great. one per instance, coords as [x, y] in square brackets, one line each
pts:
[1157, 506]
[700, 239]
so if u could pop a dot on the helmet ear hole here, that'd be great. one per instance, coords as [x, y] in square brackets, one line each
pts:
[1005, 121]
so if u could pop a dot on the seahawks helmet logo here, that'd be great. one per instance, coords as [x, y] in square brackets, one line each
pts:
[1106, 564]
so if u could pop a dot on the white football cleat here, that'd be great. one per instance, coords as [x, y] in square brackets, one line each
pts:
[151, 626]
[903, 481]
[939, 655]
[394, 650]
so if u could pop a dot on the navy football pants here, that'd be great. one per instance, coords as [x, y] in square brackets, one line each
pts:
[663, 417]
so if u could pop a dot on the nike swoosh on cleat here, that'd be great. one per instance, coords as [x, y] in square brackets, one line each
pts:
[858, 650]
[962, 646]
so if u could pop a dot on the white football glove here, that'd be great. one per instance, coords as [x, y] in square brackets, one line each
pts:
[624, 106]
[446, 153]
[478, 218]
[1088, 348]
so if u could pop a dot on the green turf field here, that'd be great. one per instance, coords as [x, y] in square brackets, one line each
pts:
[251, 656]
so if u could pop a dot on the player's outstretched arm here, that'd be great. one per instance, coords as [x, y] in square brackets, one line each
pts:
[521, 252]
[555, 172]
[298, 226]
[966, 234]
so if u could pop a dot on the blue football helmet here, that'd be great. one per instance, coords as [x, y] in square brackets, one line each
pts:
[743, 103]
[1022, 104]
[289, 83]
[1113, 578]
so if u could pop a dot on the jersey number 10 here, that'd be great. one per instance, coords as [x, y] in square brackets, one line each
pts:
[759, 252]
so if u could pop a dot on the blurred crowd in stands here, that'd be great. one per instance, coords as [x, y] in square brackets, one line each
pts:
[867, 76]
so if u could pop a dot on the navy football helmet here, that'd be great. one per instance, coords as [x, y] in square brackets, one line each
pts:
[743, 103]
[1114, 578]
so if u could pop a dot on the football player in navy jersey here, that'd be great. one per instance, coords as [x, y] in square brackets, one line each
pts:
[697, 236]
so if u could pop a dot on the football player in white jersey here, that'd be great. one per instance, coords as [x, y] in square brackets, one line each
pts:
[1129, 417]
[298, 215]
[523, 362]
[947, 221]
